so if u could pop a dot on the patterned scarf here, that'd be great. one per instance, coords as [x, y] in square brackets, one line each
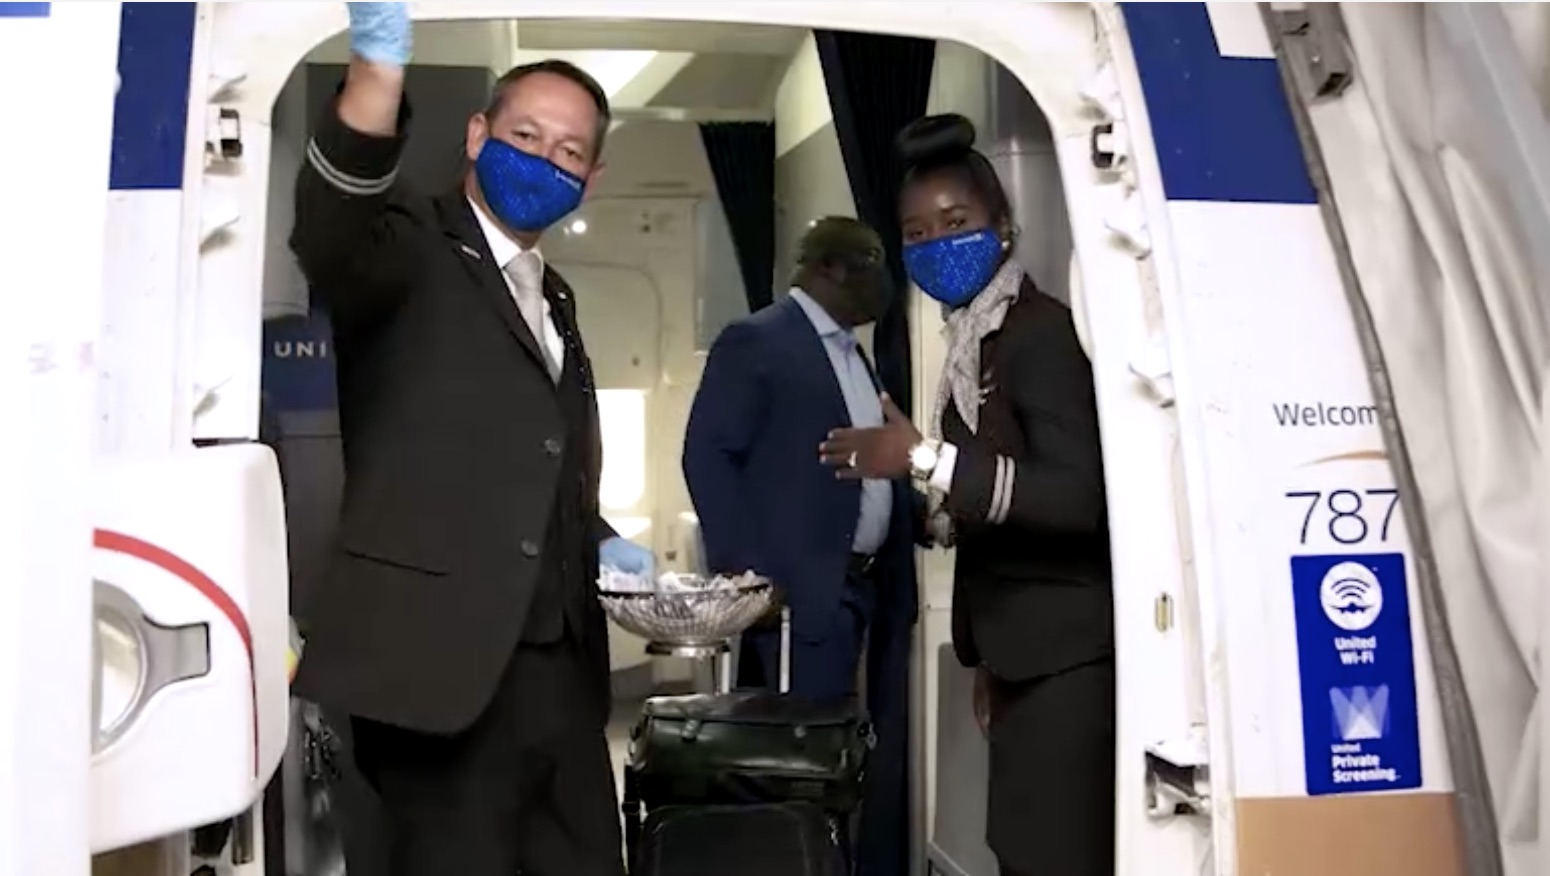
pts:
[965, 328]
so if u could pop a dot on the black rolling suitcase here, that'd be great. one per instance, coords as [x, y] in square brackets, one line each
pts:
[749, 761]
[761, 839]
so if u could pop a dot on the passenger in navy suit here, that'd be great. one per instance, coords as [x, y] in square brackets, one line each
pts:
[775, 384]
[841, 551]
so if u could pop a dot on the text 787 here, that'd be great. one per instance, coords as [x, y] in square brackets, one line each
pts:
[1349, 516]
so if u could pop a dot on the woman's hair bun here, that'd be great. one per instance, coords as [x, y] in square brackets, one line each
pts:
[933, 139]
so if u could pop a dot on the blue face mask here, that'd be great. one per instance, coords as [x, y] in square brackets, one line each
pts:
[525, 192]
[955, 269]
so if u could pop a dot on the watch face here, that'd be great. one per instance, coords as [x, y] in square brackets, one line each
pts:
[923, 457]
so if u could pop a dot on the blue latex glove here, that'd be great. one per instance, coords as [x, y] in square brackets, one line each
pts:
[627, 557]
[381, 32]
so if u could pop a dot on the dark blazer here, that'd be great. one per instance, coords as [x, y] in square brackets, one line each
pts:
[452, 435]
[1032, 595]
[767, 399]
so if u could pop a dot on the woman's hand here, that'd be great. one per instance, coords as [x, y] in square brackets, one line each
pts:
[882, 452]
[984, 698]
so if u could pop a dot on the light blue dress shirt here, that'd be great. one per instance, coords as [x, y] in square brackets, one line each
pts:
[866, 411]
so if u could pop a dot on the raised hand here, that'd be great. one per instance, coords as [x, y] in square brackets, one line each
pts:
[381, 33]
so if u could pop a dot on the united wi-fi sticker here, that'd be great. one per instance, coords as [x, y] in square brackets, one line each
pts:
[1356, 673]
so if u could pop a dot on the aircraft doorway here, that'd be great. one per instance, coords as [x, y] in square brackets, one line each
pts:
[656, 243]
[658, 271]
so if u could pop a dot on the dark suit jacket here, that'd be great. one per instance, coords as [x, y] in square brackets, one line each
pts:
[452, 435]
[1032, 595]
[765, 501]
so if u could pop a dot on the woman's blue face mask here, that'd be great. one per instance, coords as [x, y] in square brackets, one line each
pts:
[525, 192]
[956, 268]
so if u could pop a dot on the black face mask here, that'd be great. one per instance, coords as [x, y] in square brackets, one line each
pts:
[867, 290]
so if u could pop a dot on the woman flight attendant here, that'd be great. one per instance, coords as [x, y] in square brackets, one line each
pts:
[1015, 475]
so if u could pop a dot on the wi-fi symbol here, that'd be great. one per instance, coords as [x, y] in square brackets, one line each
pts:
[1351, 595]
[1349, 590]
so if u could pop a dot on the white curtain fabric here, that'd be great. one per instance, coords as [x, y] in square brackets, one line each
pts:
[1459, 314]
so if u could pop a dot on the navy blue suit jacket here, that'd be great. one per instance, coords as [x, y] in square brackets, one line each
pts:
[767, 399]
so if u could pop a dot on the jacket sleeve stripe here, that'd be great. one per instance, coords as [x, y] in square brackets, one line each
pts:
[1001, 494]
[344, 182]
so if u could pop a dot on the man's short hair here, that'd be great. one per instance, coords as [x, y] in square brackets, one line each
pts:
[564, 69]
[836, 236]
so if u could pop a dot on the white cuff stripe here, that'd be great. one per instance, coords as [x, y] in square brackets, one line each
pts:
[995, 491]
[344, 182]
[1001, 493]
[941, 478]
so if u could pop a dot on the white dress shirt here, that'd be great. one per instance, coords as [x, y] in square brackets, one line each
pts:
[504, 250]
[866, 411]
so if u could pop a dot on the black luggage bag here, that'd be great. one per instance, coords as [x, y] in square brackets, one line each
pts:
[747, 748]
[770, 839]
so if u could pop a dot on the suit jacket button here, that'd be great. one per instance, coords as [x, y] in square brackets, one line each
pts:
[529, 548]
[552, 446]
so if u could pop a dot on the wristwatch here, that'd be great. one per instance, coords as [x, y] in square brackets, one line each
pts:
[923, 459]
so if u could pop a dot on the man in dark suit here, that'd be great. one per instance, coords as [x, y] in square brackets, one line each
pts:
[774, 385]
[458, 625]
[841, 551]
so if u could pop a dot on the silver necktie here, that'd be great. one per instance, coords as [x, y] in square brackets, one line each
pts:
[527, 275]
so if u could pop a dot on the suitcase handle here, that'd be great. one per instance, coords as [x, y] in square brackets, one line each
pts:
[785, 649]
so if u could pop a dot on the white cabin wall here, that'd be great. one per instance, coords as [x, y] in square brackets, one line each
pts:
[1017, 139]
[801, 99]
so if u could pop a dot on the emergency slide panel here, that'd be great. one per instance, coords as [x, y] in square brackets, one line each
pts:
[190, 692]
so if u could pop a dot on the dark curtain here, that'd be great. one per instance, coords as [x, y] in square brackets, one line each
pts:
[878, 84]
[742, 158]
